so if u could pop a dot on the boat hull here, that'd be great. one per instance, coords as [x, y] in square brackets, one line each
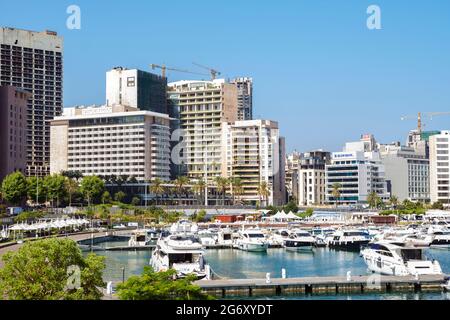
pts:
[348, 245]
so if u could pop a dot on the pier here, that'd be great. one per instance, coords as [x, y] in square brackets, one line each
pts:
[321, 285]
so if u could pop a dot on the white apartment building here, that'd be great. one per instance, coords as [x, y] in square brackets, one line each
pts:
[407, 172]
[359, 171]
[202, 107]
[440, 167]
[254, 152]
[312, 178]
[111, 140]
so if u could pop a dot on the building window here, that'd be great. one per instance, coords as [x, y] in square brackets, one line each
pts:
[131, 81]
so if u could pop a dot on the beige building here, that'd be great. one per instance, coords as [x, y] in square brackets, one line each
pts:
[440, 167]
[202, 107]
[253, 151]
[111, 140]
[312, 178]
[13, 123]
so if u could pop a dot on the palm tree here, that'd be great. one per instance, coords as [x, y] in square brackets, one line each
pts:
[157, 188]
[222, 184]
[236, 187]
[393, 201]
[263, 191]
[199, 188]
[373, 200]
[180, 183]
[71, 187]
[336, 192]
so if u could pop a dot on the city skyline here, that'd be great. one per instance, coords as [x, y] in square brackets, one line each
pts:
[343, 74]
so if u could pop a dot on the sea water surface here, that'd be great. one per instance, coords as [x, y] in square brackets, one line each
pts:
[237, 264]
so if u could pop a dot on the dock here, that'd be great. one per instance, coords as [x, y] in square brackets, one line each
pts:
[321, 285]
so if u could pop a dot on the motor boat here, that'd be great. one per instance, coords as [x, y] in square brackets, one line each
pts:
[440, 237]
[225, 237]
[299, 240]
[251, 240]
[207, 237]
[349, 240]
[139, 238]
[390, 259]
[182, 252]
[183, 226]
[279, 236]
[322, 236]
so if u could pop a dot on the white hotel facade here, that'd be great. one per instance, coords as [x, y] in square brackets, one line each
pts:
[440, 167]
[111, 140]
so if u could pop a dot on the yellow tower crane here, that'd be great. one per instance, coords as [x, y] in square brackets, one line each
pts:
[214, 73]
[419, 118]
[164, 69]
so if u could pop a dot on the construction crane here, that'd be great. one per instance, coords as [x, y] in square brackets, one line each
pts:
[164, 69]
[214, 73]
[428, 114]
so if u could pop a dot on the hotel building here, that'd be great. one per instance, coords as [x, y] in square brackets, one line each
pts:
[201, 107]
[111, 140]
[440, 167]
[254, 152]
[312, 178]
[13, 124]
[33, 62]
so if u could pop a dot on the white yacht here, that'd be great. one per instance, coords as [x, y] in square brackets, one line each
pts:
[182, 252]
[440, 237]
[207, 237]
[299, 240]
[390, 259]
[251, 240]
[279, 236]
[348, 240]
[225, 237]
[139, 238]
[184, 226]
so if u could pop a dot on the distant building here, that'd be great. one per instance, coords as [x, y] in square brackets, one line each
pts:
[245, 97]
[440, 167]
[312, 178]
[136, 88]
[13, 133]
[111, 140]
[291, 169]
[407, 172]
[359, 171]
[33, 61]
[419, 141]
[201, 107]
[254, 152]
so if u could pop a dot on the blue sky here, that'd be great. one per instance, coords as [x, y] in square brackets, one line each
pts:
[317, 69]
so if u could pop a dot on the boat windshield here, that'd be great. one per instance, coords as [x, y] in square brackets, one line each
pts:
[181, 258]
[302, 234]
[255, 235]
[355, 234]
[412, 254]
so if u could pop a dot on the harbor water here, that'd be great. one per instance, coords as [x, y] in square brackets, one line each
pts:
[237, 264]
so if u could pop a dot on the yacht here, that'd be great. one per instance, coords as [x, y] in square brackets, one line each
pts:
[184, 226]
[390, 259]
[322, 236]
[139, 238]
[207, 237]
[279, 236]
[251, 240]
[440, 237]
[348, 240]
[225, 237]
[182, 252]
[299, 240]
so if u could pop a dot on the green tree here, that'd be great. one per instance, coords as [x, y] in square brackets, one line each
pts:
[160, 286]
[236, 187]
[135, 201]
[180, 184]
[157, 188]
[72, 187]
[336, 192]
[119, 196]
[91, 187]
[106, 197]
[438, 205]
[36, 188]
[47, 270]
[393, 201]
[373, 200]
[263, 192]
[14, 188]
[55, 187]
[199, 188]
[291, 206]
[222, 186]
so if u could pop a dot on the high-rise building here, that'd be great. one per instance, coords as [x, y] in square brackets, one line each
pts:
[291, 169]
[359, 172]
[111, 141]
[33, 62]
[13, 124]
[136, 88]
[201, 107]
[407, 172]
[440, 167]
[254, 152]
[312, 178]
[245, 97]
